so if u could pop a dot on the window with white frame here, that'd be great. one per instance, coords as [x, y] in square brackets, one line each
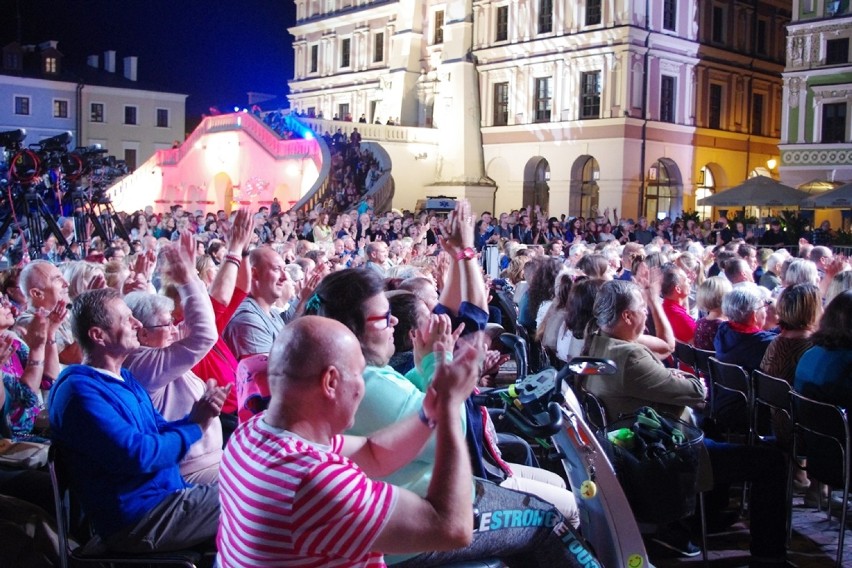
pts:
[96, 112]
[501, 104]
[837, 51]
[834, 121]
[162, 118]
[715, 106]
[314, 65]
[542, 99]
[60, 108]
[345, 52]
[130, 114]
[379, 47]
[438, 27]
[670, 15]
[50, 65]
[545, 16]
[501, 32]
[668, 96]
[594, 12]
[717, 24]
[22, 105]
[590, 94]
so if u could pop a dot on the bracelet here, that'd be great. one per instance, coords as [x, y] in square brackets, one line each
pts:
[51, 342]
[246, 252]
[34, 363]
[234, 259]
[428, 422]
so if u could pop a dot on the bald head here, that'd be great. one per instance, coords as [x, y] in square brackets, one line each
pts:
[306, 348]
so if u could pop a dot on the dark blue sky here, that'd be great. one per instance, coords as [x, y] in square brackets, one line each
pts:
[213, 50]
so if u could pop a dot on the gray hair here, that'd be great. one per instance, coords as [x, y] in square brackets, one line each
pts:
[79, 274]
[146, 306]
[776, 259]
[612, 299]
[801, 271]
[743, 300]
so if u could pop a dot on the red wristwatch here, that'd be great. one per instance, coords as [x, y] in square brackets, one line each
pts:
[466, 253]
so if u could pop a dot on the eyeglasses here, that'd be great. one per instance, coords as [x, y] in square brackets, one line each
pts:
[170, 324]
[384, 317]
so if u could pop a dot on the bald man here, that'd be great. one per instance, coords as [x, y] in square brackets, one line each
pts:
[44, 287]
[294, 488]
[254, 326]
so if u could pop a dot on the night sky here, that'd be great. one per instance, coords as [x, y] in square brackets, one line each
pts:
[213, 50]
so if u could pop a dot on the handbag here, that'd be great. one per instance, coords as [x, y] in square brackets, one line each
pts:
[23, 455]
[656, 459]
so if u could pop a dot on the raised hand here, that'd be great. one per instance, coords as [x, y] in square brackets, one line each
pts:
[435, 336]
[7, 347]
[55, 318]
[454, 381]
[240, 232]
[180, 259]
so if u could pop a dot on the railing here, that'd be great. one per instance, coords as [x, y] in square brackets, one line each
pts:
[319, 191]
[376, 132]
[383, 188]
[267, 138]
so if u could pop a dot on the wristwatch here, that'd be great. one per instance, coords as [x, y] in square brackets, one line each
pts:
[466, 253]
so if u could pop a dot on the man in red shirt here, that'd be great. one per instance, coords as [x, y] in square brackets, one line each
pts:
[675, 290]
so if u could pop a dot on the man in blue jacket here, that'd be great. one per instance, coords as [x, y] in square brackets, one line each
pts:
[120, 454]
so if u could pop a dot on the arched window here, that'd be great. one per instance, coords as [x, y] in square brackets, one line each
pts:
[541, 191]
[706, 187]
[660, 194]
[589, 190]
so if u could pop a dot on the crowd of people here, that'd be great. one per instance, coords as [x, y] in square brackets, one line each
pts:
[296, 385]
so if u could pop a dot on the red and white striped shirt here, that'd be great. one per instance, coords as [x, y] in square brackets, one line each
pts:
[289, 502]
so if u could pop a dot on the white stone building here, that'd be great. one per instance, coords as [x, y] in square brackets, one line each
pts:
[626, 104]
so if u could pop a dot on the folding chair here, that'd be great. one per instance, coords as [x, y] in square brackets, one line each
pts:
[732, 383]
[773, 394]
[72, 556]
[825, 428]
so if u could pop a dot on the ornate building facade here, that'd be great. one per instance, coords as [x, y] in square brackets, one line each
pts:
[628, 104]
[816, 126]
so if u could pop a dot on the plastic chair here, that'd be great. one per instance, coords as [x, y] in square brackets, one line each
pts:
[72, 556]
[825, 428]
[773, 394]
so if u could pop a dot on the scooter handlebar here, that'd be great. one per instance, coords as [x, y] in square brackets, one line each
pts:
[533, 429]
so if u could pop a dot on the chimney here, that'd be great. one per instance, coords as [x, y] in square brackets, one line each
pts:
[109, 61]
[130, 64]
[93, 61]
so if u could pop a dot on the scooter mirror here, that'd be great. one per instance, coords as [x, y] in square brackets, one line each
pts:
[592, 366]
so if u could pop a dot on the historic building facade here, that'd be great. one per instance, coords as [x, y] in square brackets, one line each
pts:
[99, 102]
[573, 106]
[817, 112]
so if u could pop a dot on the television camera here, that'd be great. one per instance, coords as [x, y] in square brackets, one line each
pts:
[46, 180]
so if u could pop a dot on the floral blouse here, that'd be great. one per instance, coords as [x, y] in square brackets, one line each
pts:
[22, 404]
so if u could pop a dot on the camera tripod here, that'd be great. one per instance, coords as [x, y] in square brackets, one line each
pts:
[100, 212]
[39, 220]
